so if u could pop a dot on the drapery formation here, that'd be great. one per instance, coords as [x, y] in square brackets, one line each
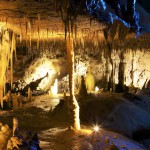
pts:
[7, 47]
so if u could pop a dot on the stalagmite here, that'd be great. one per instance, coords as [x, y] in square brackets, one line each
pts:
[15, 125]
[29, 94]
[38, 31]
[89, 81]
[75, 120]
[14, 46]
[9, 98]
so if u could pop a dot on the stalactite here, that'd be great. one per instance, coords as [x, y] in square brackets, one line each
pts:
[11, 71]
[107, 71]
[82, 42]
[43, 43]
[38, 30]
[38, 39]
[47, 34]
[114, 81]
[122, 34]
[132, 69]
[14, 46]
[91, 19]
[37, 43]
[30, 42]
[20, 30]
[75, 31]
[72, 26]
[121, 72]
[11, 60]
[26, 28]
[26, 32]
[108, 51]
[30, 36]
[113, 71]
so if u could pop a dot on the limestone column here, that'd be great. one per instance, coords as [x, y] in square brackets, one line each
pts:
[75, 120]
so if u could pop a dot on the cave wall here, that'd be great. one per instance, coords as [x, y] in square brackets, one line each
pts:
[135, 65]
[127, 63]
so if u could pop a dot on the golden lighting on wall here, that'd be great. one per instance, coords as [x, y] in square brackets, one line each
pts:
[41, 69]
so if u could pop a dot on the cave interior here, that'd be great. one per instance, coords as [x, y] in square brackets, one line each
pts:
[66, 63]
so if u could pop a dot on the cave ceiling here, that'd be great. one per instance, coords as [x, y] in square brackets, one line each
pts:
[38, 19]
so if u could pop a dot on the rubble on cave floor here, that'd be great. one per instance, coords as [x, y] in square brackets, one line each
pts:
[48, 117]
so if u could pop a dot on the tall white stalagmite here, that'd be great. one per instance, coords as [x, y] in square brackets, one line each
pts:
[75, 120]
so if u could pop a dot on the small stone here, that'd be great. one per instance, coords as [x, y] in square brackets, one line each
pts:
[70, 128]
[96, 140]
[4, 129]
[123, 146]
[115, 137]
[112, 147]
[107, 140]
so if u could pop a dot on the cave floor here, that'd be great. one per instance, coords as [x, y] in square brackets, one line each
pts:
[47, 117]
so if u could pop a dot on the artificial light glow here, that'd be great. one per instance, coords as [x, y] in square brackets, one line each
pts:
[96, 128]
[96, 89]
